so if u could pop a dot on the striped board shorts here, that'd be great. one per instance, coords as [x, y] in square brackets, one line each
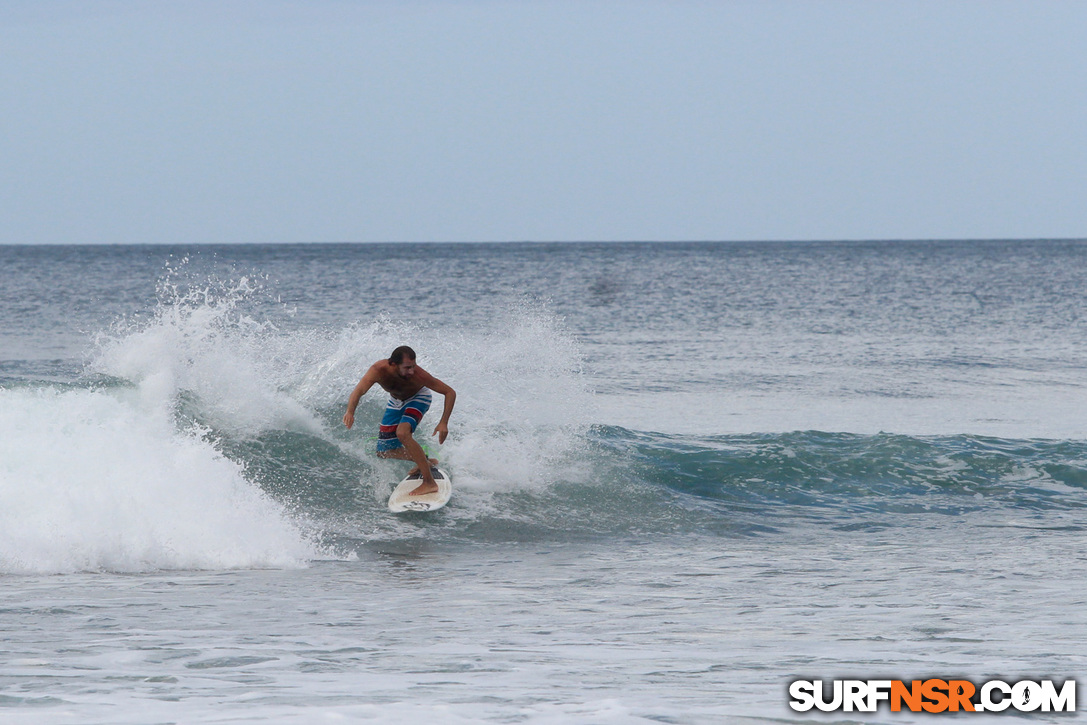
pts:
[401, 411]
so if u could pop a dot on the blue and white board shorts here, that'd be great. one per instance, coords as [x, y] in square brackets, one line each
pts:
[410, 411]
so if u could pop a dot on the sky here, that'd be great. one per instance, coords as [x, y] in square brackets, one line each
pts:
[240, 121]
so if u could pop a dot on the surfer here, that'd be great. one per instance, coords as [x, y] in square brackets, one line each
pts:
[409, 388]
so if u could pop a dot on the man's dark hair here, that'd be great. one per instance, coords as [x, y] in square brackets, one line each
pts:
[398, 354]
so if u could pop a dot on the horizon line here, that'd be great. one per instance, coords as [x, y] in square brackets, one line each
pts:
[887, 240]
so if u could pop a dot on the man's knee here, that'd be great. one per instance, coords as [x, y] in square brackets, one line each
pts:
[403, 432]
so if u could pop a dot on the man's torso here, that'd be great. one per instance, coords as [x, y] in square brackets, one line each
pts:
[397, 386]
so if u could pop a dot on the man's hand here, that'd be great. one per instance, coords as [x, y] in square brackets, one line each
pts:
[349, 419]
[441, 430]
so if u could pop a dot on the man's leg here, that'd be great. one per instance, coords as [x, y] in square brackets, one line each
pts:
[401, 454]
[416, 454]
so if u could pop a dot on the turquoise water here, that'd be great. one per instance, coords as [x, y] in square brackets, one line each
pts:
[685, 475]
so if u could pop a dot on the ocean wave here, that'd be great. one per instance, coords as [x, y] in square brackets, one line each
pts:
[883, 473]
[618, 482]
[95, 480]
[100, 479]
[208, 435]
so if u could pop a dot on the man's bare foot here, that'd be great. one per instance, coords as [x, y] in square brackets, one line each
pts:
[425, 488]
[415, 469]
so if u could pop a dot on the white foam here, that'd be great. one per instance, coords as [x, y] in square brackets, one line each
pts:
[102, 481]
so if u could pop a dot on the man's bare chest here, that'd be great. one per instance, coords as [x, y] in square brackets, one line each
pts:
[400, 389]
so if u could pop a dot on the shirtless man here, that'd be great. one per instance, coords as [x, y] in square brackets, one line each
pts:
[409, 388]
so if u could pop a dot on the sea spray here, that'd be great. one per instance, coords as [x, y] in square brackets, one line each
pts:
[523, 405]
[224, 355]
[526, 404]
[204, 341]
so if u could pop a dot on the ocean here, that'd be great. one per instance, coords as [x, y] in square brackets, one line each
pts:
[685, 475]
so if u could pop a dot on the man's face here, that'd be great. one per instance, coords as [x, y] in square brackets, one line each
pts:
[406, 368]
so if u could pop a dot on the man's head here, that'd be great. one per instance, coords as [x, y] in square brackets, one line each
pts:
[403, 358]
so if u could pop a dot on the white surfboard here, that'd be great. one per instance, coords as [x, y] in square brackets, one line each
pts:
[400, 501]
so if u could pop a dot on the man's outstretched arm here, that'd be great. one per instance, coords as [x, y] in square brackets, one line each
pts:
[442, 429]
[365, 384]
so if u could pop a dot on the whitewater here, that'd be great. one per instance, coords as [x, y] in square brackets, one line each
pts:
[685, 476]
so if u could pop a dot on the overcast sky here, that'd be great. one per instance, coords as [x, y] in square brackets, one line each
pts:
[267, 121]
